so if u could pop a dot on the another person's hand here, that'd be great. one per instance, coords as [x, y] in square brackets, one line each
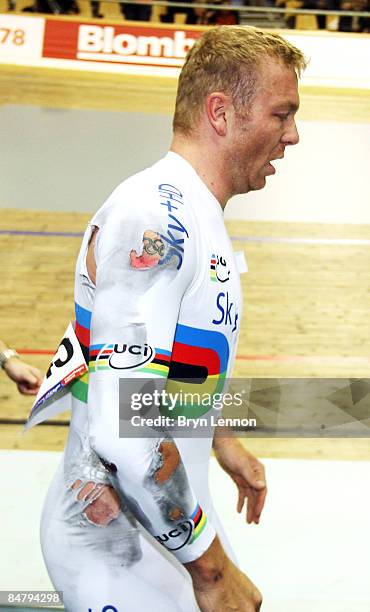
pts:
[219, 586]
[246, 471]
[27, 378]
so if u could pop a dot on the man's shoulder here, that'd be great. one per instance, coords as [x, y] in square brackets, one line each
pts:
[148, 181]
[148, 208]
[136, 185]
[154, 191]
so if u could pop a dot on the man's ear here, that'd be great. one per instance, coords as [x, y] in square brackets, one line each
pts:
[217, 106]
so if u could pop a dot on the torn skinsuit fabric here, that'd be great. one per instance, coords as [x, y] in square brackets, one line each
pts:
[166, 305]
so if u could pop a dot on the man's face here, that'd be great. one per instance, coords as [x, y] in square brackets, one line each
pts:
[260, 134]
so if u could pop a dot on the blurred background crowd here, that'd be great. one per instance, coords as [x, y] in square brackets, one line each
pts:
[249, 12]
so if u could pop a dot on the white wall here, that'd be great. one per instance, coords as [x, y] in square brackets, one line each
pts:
[71, 160]
[324, 179]
[54, 159]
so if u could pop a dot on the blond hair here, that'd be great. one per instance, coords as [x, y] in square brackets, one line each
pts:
[227, 58]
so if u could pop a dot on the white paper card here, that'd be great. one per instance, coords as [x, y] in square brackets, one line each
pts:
[67, 364]
[241, 262]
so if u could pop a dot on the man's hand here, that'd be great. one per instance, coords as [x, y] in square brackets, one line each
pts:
[219, 586]
[27, 378]
[246, 471]
[234, 592]
[104, 503]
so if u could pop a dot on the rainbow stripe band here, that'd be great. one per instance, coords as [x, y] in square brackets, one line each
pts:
[200, 520]
[213, 268]
[80, 386]
[99, 356]
[100, 353]
[160, 364]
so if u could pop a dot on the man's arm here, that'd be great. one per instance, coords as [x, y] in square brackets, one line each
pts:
[246, 471]
[219, 585]
[138, 293]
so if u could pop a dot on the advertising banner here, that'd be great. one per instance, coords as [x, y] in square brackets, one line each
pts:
[122, 44]
[335, 59]
[21, 38]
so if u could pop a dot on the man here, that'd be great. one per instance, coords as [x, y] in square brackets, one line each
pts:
[158, 295]
[27, 378]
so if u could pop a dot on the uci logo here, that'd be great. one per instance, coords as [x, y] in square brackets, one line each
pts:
[176, 538]
[126, 357]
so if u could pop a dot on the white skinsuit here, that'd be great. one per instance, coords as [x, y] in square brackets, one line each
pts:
[166, 306]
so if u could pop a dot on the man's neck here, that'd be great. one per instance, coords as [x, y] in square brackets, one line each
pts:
[206, 164]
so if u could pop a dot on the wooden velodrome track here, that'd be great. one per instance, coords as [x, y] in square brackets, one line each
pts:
[306, 320]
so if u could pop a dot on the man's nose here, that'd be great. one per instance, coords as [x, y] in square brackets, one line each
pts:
[291, 136]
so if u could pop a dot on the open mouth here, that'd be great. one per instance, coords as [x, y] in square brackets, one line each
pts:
[270, 166]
